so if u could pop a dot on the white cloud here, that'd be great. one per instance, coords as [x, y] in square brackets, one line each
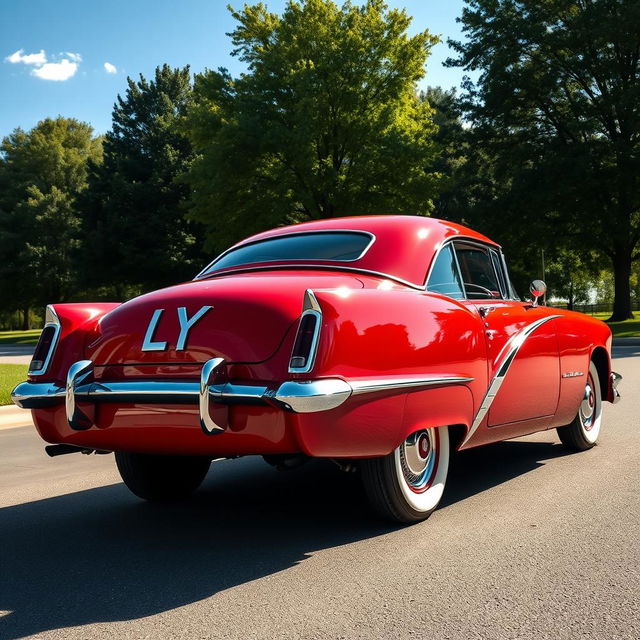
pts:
[64, 66]
[58, 71]
[110, 68]
[30, 58]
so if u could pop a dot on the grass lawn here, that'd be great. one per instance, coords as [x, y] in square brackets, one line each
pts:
[10, 375]
[20, 337]
[625, 329]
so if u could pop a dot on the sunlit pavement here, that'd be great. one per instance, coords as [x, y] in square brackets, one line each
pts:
[531, 542]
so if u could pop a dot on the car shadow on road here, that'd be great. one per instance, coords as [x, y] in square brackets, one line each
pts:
[101, 555]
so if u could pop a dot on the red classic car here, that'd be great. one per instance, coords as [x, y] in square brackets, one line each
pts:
[380, 342]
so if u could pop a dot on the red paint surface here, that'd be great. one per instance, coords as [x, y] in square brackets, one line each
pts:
[373, 327]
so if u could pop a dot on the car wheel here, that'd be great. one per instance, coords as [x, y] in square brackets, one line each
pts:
[406, 486]
[161, 477]
[583, 432]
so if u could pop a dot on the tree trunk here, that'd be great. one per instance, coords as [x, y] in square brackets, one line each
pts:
[25, 318]
[571, 299]
[621, 287]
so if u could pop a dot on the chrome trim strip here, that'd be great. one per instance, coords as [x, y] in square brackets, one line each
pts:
[311, 308]
[616, 379]
[310, 301]
[307, 396]
[231, 393]
[78, 373]
[29, 395]
[300, 396]
[320, 267]
[366, 385]
[502, 364]
[51, 320]
[209, 369]
[372, 239]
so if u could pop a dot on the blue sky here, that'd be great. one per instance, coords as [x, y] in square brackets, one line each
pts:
[72, 57]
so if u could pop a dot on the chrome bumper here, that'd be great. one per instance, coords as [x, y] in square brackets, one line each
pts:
[616, 378]
[298, 396]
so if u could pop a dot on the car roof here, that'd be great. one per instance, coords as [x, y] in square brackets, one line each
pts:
[403, 248]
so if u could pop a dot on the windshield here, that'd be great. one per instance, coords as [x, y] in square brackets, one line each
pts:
[333, 246]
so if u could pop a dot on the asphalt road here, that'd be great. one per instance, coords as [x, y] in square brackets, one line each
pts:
[531, 542]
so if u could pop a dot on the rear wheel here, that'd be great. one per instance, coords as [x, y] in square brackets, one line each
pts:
[161, 477]
[583, 432]
[407, 485]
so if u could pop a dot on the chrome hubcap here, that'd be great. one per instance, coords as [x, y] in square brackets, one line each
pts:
[418, 458]
[588, 406]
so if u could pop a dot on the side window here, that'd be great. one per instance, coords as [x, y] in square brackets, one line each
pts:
[445, 277]
[478, 275]
[497, 265]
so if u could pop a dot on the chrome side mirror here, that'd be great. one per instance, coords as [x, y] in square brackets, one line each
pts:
[537, 288]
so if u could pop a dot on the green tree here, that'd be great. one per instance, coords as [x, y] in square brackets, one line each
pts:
[136, 236]
[452, 153]
[42, 172]
[571, 276]
[557, 101]
[326, 122]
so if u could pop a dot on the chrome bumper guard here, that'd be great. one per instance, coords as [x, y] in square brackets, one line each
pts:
[616, 378]
[298, 396]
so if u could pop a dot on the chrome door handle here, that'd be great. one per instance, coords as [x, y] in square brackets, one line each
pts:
[485, 311]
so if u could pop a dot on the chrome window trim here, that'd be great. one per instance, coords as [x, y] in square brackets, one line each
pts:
[487, 248]
[344, 266]
[372, 239]
[311, 308]
[513, 294]
[502, 282]
[333, 267]
[484, 245]
[444, 246]
[51, 320]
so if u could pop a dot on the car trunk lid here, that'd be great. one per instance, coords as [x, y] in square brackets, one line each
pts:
[242, 318]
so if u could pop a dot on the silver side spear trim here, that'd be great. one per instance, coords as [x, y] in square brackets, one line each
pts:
[503, 363]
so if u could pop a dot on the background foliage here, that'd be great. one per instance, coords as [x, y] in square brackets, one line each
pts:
[326, 122]
[541, 153]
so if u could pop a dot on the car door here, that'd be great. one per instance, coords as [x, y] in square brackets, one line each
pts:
[522, 347]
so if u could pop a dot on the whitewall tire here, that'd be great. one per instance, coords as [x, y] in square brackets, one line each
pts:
[407, 485]
[583, 432]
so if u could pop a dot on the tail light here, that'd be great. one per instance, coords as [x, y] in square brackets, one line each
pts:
[46, 343]
[306, 343]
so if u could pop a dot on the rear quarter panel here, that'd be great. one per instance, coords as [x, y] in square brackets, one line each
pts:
[374, 333]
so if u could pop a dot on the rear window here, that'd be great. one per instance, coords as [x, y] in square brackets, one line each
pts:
[333, 246]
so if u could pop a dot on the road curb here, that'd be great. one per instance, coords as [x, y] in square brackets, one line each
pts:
[12, 416]
[17, 349]
[626, 342]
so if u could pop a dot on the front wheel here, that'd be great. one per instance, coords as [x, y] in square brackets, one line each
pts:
[161, 477]
[407, 485]
[583, 432]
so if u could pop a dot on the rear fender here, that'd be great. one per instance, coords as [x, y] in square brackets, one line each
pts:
[374, 334]
[77, 322]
